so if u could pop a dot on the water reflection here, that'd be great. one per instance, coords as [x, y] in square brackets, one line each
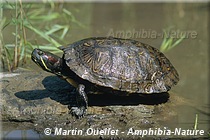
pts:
[20, 134]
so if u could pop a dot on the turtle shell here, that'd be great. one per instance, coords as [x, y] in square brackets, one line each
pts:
[121, 64]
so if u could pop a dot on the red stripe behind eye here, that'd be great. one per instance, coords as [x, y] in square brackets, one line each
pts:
[52, 59]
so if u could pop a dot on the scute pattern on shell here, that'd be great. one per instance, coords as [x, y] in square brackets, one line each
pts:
[121, 64]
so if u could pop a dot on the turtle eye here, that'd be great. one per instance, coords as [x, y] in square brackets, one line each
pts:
[40, 52]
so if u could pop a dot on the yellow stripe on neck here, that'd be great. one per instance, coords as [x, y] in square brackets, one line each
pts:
[44, 64]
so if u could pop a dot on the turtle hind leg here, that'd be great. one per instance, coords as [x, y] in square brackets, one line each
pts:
[82, 102]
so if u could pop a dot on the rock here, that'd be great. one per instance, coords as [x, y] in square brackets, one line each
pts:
[42, 100]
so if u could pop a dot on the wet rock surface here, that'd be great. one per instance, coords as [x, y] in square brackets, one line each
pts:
[42, 100]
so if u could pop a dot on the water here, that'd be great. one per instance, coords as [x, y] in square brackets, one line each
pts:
[144, 22]
[14, 134]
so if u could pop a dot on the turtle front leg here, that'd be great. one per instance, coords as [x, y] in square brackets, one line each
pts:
[82, 102]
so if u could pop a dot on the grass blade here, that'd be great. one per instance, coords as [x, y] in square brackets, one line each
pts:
[44, 35]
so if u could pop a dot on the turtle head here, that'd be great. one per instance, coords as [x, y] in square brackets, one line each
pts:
[47, 61]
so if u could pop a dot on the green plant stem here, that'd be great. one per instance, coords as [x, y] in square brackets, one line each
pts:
[16, 38]
[23, 43]
[196, 122]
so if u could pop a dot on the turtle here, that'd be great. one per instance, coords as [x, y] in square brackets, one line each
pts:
[109, 64]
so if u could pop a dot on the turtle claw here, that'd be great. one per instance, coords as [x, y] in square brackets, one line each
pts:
[79, 112]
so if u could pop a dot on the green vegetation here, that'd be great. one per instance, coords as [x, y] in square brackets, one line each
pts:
[195, 127]
[196, 122]
[48, 23]
[169, 42]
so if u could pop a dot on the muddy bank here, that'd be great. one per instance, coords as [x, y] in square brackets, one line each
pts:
[41, 100]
